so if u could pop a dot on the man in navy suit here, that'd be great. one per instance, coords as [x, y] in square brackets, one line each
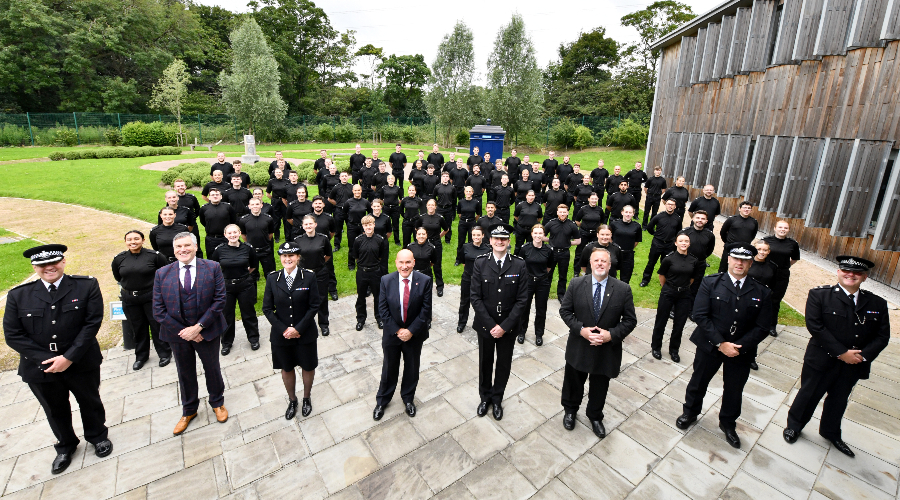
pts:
[405, 308]
[188, 300]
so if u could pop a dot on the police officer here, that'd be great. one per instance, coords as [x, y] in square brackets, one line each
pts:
[217, 182]
[575, 179]
[238, 197]
[628, 235]
[603, 240]
[435, 157]
[539, 261]
[553, 198]
[527, 214]
[490, 218]
[615, 202]
[458, 177]
[470, 251]
[504, 196]
[664, 226]
[848, 328]
[183, 215]
[258, 230]
[680, 194]
[162, 235]
[276, 190]
[549, 165]
[429, 181]
[52, 323]
[703, 242]
[190, 202]
[371, 252]
[214, 216]
[331, 181]
[315, 251]
[654, 188]
[739, 227]
[437, 227]
[709, 204]
[469, 209]
[563, 171]
[563, 233]
[581, 193]
[265, 208]
[588, 218]
[390, 194]
[785, 252]
[636, 178]
[598, 179]
[221, 165]
[411, 207]
[512, 163]
[424, 253]
[477, 182]
[417, 176]
[357, 162]
[326, 226]
[278, 162]
[382, 221]
[238, 261]
[614, 181]
[245, 177]
[355, 209]
[733, 315]
[337, 197]
[365, 179]
[677, 271]
[297, 208]
[445, 196]
[499, 293]
[398, 164]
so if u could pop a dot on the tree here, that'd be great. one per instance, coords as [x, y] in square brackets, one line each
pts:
[373, 56]
[250, 91]
[652, 23]
[514, 81]
[170, 92]
[404, 78]
[453, 96]
[591, 56]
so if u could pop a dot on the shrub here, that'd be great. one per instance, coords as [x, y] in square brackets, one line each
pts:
[64, 136]
[305, 172]
[113, 136]
[57, 156]
[324, 133]
[628, 134]
[75, 154]
[391, 132]
[346, 132]
[410, 134]
[583, 137]
[148, 134]
[461, 138]
[563, 134]
[14, 135]
[259, 173]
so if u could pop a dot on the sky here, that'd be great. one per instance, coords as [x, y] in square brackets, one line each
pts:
[405, 27]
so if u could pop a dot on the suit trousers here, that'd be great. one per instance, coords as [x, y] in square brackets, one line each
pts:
[669, 299]
[364, 280]
[573, 392]
[242, 295]
[145, 329]
[492, 391]
[54, 399]
[561, 257]
[539, 292]
[657, 252]
[837, 384]
[186, 362]
[734, 374]
[411, 351]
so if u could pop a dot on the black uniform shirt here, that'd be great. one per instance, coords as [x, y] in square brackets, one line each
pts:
[297, 209]
[221, 186]
[379, 180]
[411, 208]
[190, 202]
[528, 214]
[266, 209]
[235, 261]
[226, 168]
[503, 197]
[573, 181]
[539, 179]
[468, 209]
[561, 232]
[783, 251]
[582, 192]
[711, 206]
[522, 187]
[664, 227]
[277, 188]
[284, 170]
[371, 251]
[445, 195]
[436, 159]
[496, 177]
[356, 209]
[549, 167]
[563, 171]
[477, 182]
[626, 234]
[512, 164]
[330, 182]
[679, 269]
[590, 218]
[314, 250]
[325, 223]
[366, 177]
[470, 253]
[357, 162]
[458, 177]
[615, 254]
[619, 200]
[537, 260]
[183, 215]
[702, 242]
[433, 224]
[635, 178]
[553, 198]
[245, 178]
[162, 236]
[215, 216]
[737, 228]
[290, 190]
[763, 271]
[340, 194]
[655, 186]
[417, 178]
[487, 222]
[397, 161]
[390, 195]
[257, 228]
[135, 272]
[430, 182]
[238, 199]
[612, 183]
[473, 160]
[425, 256]
[599, 176]
[319, 165]
[679, 194]
[382, 225]
[446, 167]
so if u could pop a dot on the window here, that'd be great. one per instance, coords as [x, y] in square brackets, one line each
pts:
[859, 194]
[801, 173]
[778, 164]
[829, 182]
[749, 161]
[773, 33]
[759, 165]
[887, 231]
[882, 191]
[699, 175]
[728, 184]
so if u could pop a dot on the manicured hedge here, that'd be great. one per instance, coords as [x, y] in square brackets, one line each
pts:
[84, 154]
[197, 174]
[149, 134]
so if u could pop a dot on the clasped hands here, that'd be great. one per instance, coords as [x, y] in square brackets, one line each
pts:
[291, 333]
[191, 333]
[852, 357]
[596, 335]
[404, 334]
[729, 349]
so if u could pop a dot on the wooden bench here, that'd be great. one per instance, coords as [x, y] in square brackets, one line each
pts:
[335, 155]
[462, 148]
[207, 146]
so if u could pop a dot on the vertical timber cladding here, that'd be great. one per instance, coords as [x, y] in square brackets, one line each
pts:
[806, 158]
[705, 152]
[863, 179]
[758, 167]
[673, 141]
[726, 32]
[890, 30]
[709, 53]
[831, 39]
[808, 30]
[778, 164]
[685, 61]
[865, 27]
[787, 32]
[698, 55]
[826, 190]
[757, 41]
[690, 157]
[887, 234]
[716, 160]
[738, 42]
[729, 183]
[680, 155]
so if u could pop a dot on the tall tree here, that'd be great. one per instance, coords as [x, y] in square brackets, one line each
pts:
[514, 80]
[373, 56]
[652, 23]
[453, 95]
[404, 78]
[171, 91]
[576, 83]
[250, 90]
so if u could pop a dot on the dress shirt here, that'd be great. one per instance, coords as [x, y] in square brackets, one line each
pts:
[738, 283]
[601, 284]
[855, 298]
[181, 269]
[402, 287]
[47, 283]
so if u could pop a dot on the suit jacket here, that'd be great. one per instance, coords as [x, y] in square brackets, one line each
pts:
[724, 314]
[36, 323]
[295, 307]
[209, 292]
[837, 325]
[616, 315]
[390, 303]
[499, 296]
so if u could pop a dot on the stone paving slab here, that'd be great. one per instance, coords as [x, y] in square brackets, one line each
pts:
[339, 452]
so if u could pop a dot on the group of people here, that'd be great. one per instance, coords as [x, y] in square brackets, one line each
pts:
[185, 305]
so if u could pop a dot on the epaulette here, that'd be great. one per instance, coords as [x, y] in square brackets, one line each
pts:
[217, 246]
[248, 215]
[670, 253]
[482, 256]
[123, 252]
[714, 275]
[321, 234]
[513, 256]
[275, 271]
[756, 280]
[80, 277]
[822, 287]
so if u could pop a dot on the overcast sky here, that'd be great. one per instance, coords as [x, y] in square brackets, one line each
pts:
[414, 27]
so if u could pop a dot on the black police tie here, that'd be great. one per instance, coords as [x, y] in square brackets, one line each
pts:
[52, 289]
[852, 299]
[737, 285]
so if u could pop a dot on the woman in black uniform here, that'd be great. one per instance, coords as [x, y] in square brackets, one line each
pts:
[627, 234]
[522, 186]
[238, 261]
[553, 198]
[503, 198]
[588, 217]
[470, 252]
[355, 209]
[604, 240]
[417, 177]
[764, 271]
[183, 215]
[539, 261]
[277, 191]
[424, 253]
[675, 275]
[296, 209]
[436, 226]
[784, 252]
[581, 193]
[290, 301]
[390, 196]
[411, 208]
[527, 214]
[315, 251]
[382, 221]
[469, 210]
[162, 235]
[134, 270]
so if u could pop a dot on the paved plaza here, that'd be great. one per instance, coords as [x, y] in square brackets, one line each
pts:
[446, 451]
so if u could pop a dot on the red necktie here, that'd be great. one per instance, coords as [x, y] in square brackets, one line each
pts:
[405, 297]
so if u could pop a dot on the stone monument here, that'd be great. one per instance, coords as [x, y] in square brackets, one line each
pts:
[249, 157]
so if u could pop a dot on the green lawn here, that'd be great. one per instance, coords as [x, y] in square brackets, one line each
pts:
[13, 268]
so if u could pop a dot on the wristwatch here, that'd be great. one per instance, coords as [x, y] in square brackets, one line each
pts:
[201, 326]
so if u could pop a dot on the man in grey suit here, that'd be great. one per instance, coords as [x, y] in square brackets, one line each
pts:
[599, 311]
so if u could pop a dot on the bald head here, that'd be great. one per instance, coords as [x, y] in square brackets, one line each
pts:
[405, 262]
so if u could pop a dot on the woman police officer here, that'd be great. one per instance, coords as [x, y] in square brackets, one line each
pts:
[315, 250]
[436, 226]
[162, 235]
[539, 261]
[676, 272]
[238, 261]
[470, 251]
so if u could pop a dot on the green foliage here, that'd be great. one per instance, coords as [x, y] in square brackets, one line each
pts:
[562, 134]
[405, 78]
[461, 138]
[14, 135]
[87, 154]
[515, 97]
[57, 156]
[171, 91]
[410, 134]
[113, 136]
[453, 97]
[259, 173]
[346, 132]
[324, 133]
[652, 23]
[628, 135]
[65, 136]
[590, 56]
[583, 137]
[148, 134]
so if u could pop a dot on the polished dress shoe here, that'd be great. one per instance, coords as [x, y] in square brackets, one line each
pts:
[773, 332]
[440, 292]
[411, 409]
[790, 435]
[351, 267]
[672, 314]
[103, 448]
[254, 346]
[306, 409]
[336, 248]
[221, 414]
[538, 341]
[359, 326]
[731, 436]
[482, 409]
[599, 430]
[334, 296]
[138, 365]
[225, 350]
[521, 339]
[182, 424]
[754, 366]
[378, 413]
[685, 420]
[498, 411]
[61, 463]
[456, 264]
[368, 293]
[569, 421]
[460, 328]
[656, 354]
[291, 409]
[380, 323]
[643, 284]
[164, 361]
[842, 447]
[325, 331]
[675, 357]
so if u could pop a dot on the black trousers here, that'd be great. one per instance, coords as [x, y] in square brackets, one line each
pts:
[242, 295]
[323, 281]
[212, 242]
[465, 293]
[463, 234]
[339, 219]
[449, 215]
[657, 252]
[370, 280]
[539, 292]
[54, 399]
[277, 216]
[266, 258]
[186, 362]
[438, 268]
[573, 392]
[398, 177]
[411, 351]
[814, 384]
[353, 230]
[492, 385]
[779, 290]
[586, 237]
[626, 265]
[523, 236]
[409, 230]
[145, 329]
[503, 213]
[735, 373]
[561, 256]
[332, 282]
[670, 298]
[196, 233]
[651, 207]
[393, 211]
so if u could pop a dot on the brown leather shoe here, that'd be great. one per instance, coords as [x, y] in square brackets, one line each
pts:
[182, 424]
[221, 413]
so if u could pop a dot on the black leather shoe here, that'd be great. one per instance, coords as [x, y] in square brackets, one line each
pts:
[350, 267]
[521, 339]
[790, 435]
[325, 331]
[538, 341]
[672, 314]
[359, 326]
[164, 361]
[103, 448]
[599, 430]
[254, 346]
[61, 463]
[675, 357]
[225, 350]
[334, 296]
[498, 411]
[380, 323]
[460, 328]
[440, 292]
[368, 293]
[754, 366]
[656, 354]
[773, 332]
[411, 409]
[138, 365]
[306, 409]
[842, 447]
[456, 264]
[731, 436]
[291, 411]
[482, 409]
[569, 421]
[643, 284]
[378, 413]
[336, 248]
[685, 420]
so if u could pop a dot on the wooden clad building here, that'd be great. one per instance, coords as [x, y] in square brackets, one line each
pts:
[793, 105]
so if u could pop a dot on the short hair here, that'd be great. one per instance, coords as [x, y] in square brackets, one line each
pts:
[562, 205]
[214, 190]
[367, 220]
[185, 234]
[703, 213]
[680, 177]
[257, 189]
[292, 172]
[398, 144]
[236, 162]
[256, 200]
[757, 242]
[163, 209]
[379, 201]
[537, 226]
[430, 165]
[490, 203]
[745, 202]
[217, 171]
[578, 165]
[135, 231]
[229, 226]
[599, 249]
[657, 168]
[177, 181]
[318, 197]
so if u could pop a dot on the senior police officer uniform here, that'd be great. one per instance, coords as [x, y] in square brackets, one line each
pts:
[837, 322]
[45, 320]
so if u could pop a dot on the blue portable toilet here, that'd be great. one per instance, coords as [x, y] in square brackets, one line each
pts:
[488, 138]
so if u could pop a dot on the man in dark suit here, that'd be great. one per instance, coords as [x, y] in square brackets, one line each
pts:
[599, 311]
[405, 308]
[52, 323]
[849, 327]
[499, 296]
[188, 300]
[733, 315]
